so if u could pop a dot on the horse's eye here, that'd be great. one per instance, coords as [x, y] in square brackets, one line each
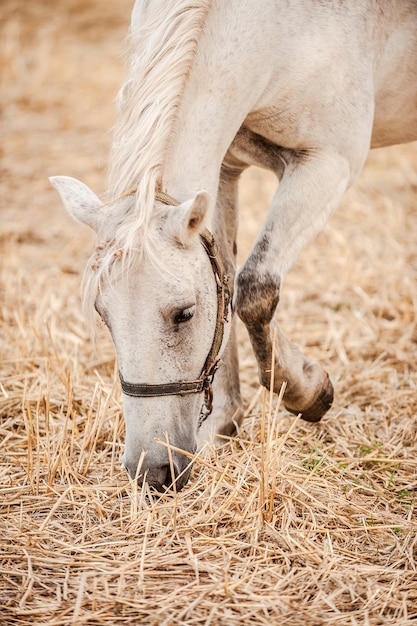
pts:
[184, 315]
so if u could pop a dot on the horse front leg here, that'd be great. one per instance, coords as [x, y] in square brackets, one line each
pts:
[308, 193]
[227, 412]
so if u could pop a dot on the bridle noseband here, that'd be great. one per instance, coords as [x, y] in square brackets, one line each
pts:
[204, 382]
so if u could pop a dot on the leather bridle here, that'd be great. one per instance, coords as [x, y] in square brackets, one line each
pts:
[203, 384]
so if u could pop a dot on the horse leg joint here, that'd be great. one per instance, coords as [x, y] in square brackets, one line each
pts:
[257, 297]
[256, 300]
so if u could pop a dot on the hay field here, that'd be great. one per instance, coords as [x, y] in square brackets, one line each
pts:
[290, 523]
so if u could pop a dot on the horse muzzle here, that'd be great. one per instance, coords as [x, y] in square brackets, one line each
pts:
[161, 475]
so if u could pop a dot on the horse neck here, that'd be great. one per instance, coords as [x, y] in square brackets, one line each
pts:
[197, 151]
[210, 114]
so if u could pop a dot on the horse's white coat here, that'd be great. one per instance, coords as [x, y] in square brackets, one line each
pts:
[303, 88]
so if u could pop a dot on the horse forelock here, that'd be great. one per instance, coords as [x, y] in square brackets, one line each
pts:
[161, 49]
[121, 248]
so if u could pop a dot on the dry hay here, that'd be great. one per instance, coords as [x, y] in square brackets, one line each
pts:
[289, 523]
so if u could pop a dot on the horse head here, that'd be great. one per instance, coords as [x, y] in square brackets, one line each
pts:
[164, 301]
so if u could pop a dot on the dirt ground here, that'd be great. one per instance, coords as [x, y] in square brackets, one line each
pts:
[289, 523]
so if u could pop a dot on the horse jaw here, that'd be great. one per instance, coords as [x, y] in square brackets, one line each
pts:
[79, 200]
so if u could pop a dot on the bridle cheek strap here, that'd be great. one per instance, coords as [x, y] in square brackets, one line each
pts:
[204, 382]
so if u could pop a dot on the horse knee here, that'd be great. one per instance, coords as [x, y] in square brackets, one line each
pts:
[256, 297]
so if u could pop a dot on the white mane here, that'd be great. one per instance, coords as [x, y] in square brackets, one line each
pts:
[162, 44]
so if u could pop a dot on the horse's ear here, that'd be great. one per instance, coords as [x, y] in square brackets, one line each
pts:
[81, 203]
[197, 212]
[192, 216]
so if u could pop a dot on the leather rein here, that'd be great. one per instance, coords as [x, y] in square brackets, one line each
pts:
[205, 380]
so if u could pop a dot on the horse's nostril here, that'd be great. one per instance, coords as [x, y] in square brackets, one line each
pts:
[131, 469]
[159, 477]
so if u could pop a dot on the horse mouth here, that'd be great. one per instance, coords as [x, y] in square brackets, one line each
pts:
[163, 479]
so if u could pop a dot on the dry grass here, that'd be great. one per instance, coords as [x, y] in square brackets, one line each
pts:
[288, 524]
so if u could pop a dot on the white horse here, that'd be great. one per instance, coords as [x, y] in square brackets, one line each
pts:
[303, 88]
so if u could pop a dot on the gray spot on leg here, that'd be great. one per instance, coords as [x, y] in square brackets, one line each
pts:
[257, 297]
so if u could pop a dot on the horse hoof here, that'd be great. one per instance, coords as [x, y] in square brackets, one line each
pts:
[320, 406]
